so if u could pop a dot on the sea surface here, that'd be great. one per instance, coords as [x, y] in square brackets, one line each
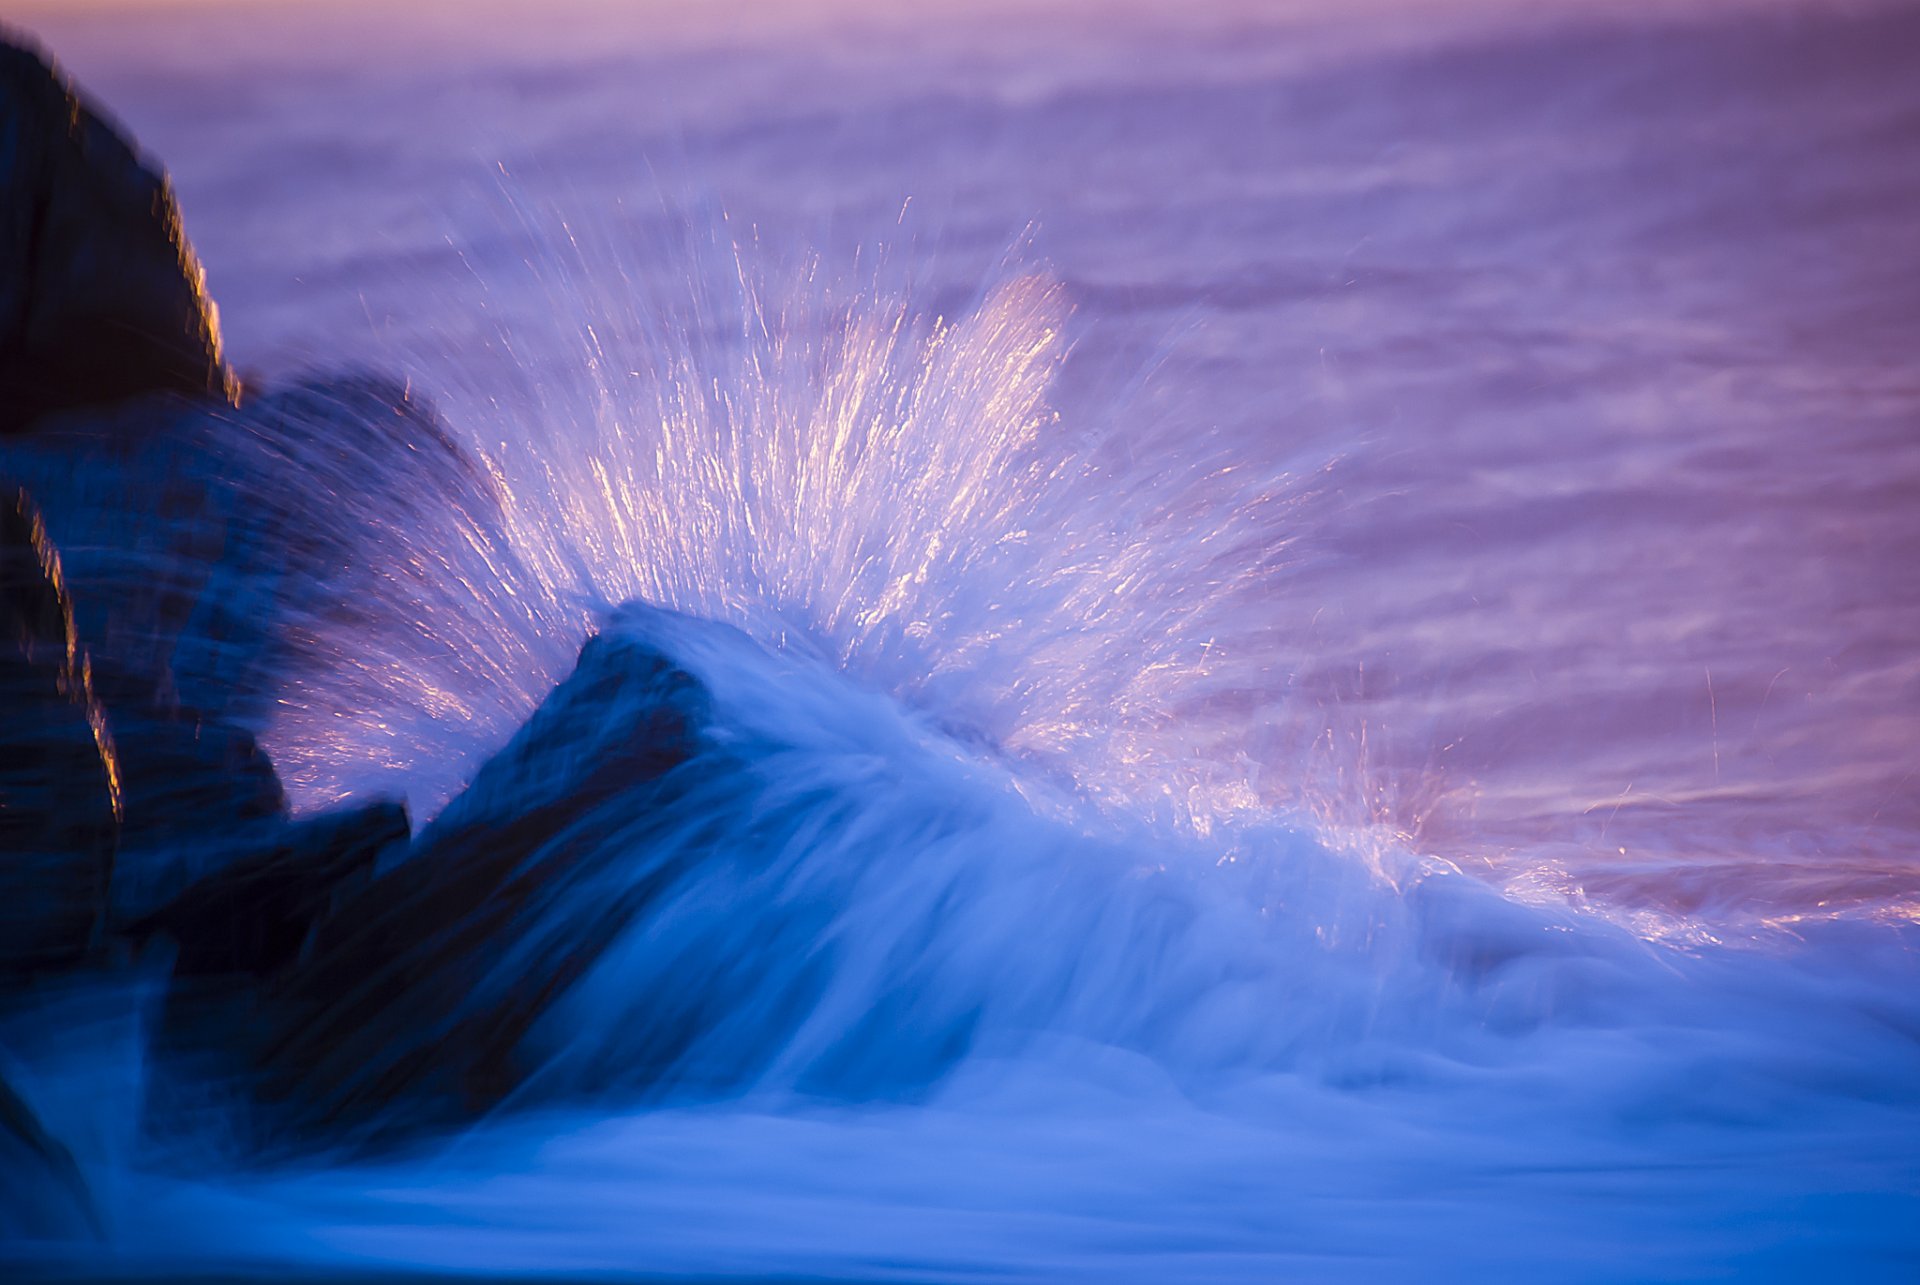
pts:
[1321, 601]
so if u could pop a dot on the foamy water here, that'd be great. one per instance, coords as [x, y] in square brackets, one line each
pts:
[1310, 625]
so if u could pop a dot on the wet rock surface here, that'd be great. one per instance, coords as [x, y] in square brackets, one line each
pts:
[101, 297]
[398, 1018]
[361, 985]
[254, 915]
[207, 548]
[60, 803]
[187, 776]
[235, 932]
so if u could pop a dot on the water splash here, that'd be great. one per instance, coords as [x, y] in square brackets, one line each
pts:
[837, 469]
[853, 908]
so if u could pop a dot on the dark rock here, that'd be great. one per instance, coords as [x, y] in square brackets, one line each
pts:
[101, 298]
[186, 777]
[385, 1026]
[100, 774]
[237, 929]
[60, 802]
[214, 554]
[253, 916]
[141, 507]
[233, 931]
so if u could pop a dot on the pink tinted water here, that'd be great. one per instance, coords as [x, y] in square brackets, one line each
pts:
[1607, 320]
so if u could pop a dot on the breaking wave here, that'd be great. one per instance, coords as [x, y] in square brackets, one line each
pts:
[908, 842]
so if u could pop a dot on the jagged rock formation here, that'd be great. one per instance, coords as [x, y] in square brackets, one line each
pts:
[60, 795]
[397, 1002]
[101, 297]
[94, 766]
[199, 547]
[255, 915]
[137, 808]
[201, 542]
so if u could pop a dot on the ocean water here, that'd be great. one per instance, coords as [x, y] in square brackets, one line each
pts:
[1309, 614]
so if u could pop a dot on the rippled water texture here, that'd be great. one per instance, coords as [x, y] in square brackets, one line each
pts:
[1607, 321]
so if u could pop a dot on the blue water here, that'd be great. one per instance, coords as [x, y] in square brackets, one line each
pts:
[1308, 619]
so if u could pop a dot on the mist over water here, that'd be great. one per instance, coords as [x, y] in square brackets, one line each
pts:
[1306, 640]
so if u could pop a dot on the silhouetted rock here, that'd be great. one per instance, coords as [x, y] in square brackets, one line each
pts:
[101, 775]
[211, 553]
[397, 1003]
[235, 931]
[184, 776]
[59, 779]
[253, 916]
[101, 297]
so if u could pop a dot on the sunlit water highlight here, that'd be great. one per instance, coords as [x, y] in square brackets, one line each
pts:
[835, 471]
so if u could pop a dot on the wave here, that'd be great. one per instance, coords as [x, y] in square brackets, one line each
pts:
[907, 829]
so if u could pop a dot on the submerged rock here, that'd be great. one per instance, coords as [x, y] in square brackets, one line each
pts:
[209, 549]
[102, 775]
[101, 297]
